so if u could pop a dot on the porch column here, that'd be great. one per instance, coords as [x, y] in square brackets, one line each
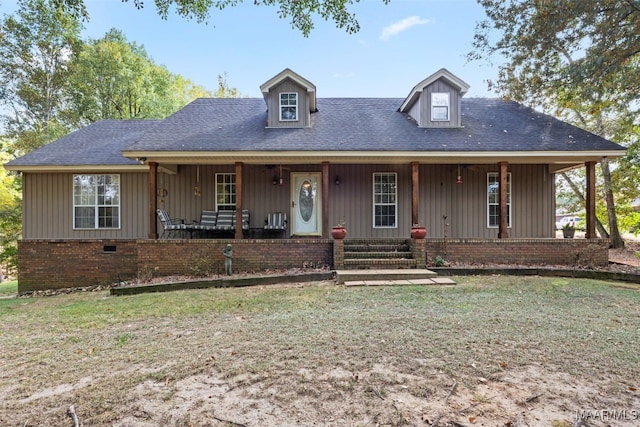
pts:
[325, 200]
[415, 193]
[153, 200]
[502, 227]
[591, 200]
[238, 234]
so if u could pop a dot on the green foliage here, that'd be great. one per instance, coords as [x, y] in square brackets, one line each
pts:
[10, 214]
[224, 91]
[299, 12]
[36, 46]
[116, 79]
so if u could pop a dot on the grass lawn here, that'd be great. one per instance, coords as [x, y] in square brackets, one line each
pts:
[8, 288]
[488, 351]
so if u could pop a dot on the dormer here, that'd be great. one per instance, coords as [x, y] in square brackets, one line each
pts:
[435, 102]
[290, 100]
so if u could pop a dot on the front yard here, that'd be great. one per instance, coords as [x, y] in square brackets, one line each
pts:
[492, 351]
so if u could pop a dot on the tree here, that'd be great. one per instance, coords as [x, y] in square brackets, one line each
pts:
[224, 91]
[10, 213]
[35, 49]
[299, 12]
[116, 79]
[579, 60]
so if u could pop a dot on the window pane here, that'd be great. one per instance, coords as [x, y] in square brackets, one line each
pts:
[493, 199]
[84, 217]
[108, 217]
[384, 197]
[91, 193]
[226, 191]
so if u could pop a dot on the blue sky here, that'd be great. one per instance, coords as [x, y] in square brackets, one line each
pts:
[399, 45]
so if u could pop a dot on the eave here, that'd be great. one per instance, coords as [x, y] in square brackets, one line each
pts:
[77, 168]
[568, 159]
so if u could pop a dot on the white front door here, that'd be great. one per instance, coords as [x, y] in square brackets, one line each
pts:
[306, 204]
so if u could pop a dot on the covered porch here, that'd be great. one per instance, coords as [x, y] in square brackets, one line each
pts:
[481, 200]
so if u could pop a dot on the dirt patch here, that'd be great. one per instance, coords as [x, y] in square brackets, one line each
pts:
[528, 396]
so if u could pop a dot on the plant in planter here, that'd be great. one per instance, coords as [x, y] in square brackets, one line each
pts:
[568, 230]
[339, 231]
[418, 231]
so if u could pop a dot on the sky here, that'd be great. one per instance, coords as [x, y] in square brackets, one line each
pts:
[398, 45]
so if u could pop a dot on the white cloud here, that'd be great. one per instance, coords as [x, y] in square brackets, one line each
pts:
[400, 26]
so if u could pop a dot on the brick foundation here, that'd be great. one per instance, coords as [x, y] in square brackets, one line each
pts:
[568, 252]
[44, 264]
[61, 264]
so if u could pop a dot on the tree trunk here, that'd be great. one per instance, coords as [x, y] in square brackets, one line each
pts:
[601, 230]
[616, 240]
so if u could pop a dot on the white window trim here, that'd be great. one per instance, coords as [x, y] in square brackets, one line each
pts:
[439, 104]
[395, 204]
[95, 205]
[216, 191]
[281, 106]
[509, 200]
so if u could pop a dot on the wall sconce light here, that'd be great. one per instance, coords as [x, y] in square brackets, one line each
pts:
[275, 180]
[459, 179]
[337, 181]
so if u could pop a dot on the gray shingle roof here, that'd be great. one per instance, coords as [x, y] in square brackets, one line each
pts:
[341, 124]
[364, 124]
[100, 143]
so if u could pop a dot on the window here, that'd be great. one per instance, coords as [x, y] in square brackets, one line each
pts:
[225, 191]
[385, 191]
[96, 201]
[493, 199]
[440, 106]
[288, 106]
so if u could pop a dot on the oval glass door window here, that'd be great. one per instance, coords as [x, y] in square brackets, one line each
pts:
[305, 200]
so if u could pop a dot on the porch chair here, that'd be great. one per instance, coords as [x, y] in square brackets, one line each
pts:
[169, 225]
[276, 221]
[208, 220]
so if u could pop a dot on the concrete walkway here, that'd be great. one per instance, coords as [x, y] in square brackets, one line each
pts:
[390, 277]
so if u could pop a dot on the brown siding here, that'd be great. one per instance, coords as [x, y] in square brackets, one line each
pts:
[48, 208]
[425, 106]
[273, 105]
[48, 205]
[465, 205]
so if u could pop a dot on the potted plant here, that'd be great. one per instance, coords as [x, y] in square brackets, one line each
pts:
[418, 231]
[339, 231]
[568, 230]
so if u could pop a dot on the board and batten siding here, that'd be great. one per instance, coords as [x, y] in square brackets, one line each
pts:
[465, 205]
[273, 105]
[423, 111]
[48, 203]
[48, 208]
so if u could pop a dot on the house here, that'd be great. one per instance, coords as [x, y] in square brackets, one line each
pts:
[478, 173]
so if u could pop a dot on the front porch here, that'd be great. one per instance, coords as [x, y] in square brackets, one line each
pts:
[55, 264]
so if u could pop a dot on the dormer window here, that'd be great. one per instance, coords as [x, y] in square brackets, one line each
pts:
[288, 106]
[440, 103]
